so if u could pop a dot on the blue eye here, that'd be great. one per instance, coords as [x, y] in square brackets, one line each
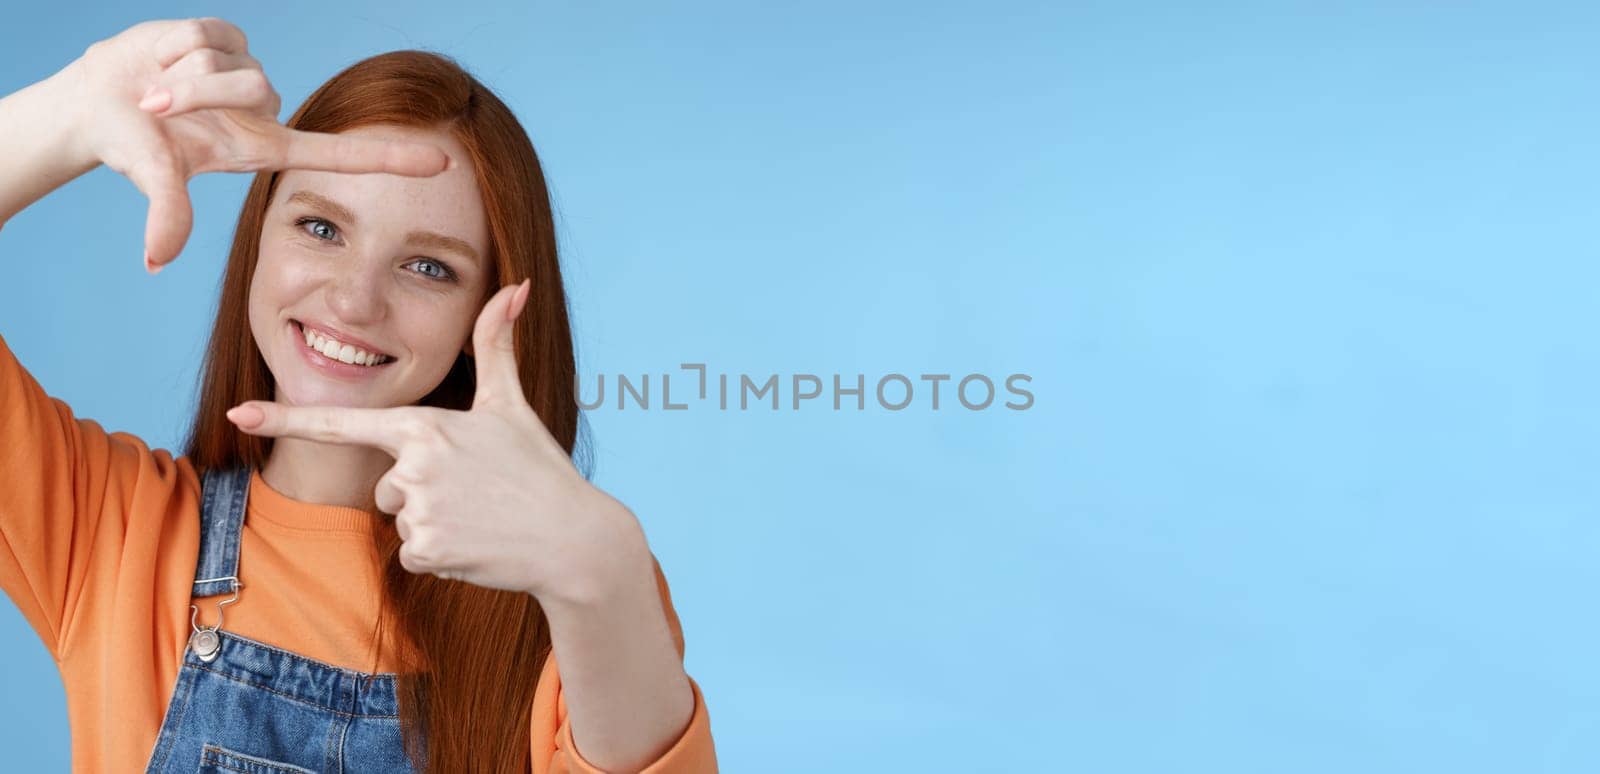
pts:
[444, 271]
[301, 224]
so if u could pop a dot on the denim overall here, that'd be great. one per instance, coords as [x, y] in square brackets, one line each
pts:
[245, 706]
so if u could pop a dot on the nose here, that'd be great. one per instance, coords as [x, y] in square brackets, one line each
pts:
[358, 293]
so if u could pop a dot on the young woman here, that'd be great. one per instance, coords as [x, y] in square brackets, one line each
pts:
[375, 547]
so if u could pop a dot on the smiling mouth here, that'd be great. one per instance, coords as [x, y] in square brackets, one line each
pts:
[362, 358]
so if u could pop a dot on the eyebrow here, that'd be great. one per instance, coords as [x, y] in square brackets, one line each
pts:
[427, 239]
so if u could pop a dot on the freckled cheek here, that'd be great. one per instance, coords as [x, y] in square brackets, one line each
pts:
[290, 274]
[431, 331]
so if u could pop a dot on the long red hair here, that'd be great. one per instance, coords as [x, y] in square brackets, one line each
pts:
[473, 654]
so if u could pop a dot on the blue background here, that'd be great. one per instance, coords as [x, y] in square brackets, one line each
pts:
[1305, 291]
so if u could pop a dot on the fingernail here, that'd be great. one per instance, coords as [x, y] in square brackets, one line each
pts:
[156, 100]
[518, 300]
[246, 416]
[150, 267]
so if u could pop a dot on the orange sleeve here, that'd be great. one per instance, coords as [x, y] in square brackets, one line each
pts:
[53, 477]
[554, 751]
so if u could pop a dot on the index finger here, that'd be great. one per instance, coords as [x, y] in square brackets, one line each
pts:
[346, 153]
[380, 428]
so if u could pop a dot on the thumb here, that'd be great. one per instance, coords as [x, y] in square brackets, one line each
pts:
[171, 216]
[494, 346]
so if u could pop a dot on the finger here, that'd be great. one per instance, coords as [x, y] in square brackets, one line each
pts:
[390, 498]
[494, 348]
[195, 64]
[170, 217]
[345, 153]
[204, 61]
[385, 428]
[190, 34]
[412, 560]
[245, 89]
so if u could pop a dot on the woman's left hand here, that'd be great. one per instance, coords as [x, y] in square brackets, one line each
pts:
[485, 496]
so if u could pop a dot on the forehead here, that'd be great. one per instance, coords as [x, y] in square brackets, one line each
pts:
[449, 203]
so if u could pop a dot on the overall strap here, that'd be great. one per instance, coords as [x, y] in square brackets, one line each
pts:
[222, 501]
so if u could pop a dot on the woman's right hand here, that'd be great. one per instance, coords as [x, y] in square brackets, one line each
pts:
[163, 101]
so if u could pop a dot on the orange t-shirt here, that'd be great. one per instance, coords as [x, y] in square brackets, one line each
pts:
[99, 540]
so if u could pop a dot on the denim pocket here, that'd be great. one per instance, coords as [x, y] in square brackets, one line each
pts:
[221, 760]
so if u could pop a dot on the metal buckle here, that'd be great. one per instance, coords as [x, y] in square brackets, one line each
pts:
[204, 642]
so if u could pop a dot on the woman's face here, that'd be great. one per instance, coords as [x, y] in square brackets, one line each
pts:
[376, 264]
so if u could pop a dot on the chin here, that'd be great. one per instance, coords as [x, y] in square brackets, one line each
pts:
[294, 396]
[303, 389]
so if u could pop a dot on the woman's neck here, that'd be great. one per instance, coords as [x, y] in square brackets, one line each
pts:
[325, 473]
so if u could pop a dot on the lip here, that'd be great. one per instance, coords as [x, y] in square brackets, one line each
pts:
[327, 365]
[330, 332]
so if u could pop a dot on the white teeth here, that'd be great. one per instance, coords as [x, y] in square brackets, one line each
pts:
[344, 353]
